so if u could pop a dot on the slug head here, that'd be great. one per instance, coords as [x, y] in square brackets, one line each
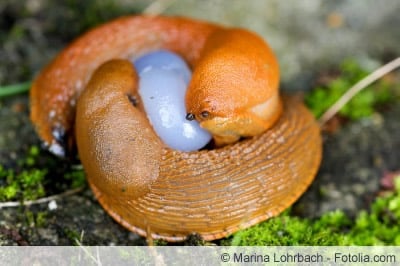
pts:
[228, 83]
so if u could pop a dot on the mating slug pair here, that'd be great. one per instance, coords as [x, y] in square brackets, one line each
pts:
[154, 190]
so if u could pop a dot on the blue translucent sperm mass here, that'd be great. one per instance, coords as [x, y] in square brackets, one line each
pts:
[163, 80]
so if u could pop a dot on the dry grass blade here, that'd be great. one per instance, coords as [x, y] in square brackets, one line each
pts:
[377, 74]
[41, 200]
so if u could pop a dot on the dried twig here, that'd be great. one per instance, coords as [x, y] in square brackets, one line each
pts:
[383, 70]
[41, 200]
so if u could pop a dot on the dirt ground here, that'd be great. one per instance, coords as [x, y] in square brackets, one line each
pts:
[309, 38]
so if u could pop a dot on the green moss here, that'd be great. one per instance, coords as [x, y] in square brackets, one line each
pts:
[33, 177]
[380, 226]
[30, 159]
[27, 185]
[160, 242]
[285, 230]
[38, 219]
[73, 235]
[76, 176]
[41, 218]
[362, 105]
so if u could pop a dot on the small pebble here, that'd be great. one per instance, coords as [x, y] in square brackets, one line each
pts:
[52, 205]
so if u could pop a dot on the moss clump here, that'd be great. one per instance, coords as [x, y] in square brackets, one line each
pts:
[380, 226]
[362, 105]
[27, 185]
[285, 230]
[33, 178]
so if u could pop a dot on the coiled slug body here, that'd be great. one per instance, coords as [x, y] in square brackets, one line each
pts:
[224, 56]
[164, 193]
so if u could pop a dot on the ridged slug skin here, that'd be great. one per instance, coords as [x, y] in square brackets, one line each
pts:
[157, 191]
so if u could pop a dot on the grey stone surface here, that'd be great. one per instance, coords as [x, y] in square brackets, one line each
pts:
[309, 35]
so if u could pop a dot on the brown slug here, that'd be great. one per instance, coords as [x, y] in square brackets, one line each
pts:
[154, 190]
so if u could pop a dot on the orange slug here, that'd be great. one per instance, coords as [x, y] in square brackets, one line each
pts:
[154, 190]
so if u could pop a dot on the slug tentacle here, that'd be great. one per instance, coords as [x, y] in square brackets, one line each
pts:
[164, 193]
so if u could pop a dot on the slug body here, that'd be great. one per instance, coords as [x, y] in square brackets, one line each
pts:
[164, 193]
[235, 75]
